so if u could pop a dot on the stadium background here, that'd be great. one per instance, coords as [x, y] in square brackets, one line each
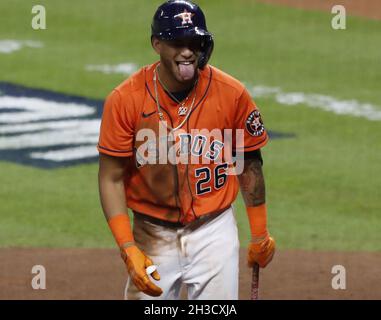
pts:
[322, 168]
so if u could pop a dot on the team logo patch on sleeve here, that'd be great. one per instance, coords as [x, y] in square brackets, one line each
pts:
[254, 124]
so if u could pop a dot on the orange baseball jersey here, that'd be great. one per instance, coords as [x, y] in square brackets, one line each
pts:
[180, 175]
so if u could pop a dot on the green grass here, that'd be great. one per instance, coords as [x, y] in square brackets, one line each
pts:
[323, 187]
[51, 208]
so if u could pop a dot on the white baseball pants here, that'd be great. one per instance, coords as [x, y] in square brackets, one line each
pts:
[203, 256]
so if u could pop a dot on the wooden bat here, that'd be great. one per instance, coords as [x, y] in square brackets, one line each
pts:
[255, 283]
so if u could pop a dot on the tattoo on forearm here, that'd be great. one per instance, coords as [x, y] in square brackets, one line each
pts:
[252, 183]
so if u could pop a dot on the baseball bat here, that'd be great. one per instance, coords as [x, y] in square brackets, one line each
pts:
[255, 283]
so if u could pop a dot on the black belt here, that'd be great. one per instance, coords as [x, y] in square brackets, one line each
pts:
[159, 222]
[178, 225]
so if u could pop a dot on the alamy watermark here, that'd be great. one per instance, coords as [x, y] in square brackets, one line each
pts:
[39, 18]
[39, 280]
[338, 22]
[339, 281]
[199, 146]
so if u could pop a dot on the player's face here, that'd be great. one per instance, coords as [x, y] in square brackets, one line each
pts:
[179, 58]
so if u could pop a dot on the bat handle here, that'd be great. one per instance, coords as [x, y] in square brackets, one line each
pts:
[255, 283]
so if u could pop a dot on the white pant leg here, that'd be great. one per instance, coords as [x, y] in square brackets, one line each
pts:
[160, 244]
[210, 257]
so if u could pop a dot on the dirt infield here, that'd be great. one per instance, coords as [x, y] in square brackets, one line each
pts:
[362, 8]
[100, 274]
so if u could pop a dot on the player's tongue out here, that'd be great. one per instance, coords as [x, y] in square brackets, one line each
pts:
[186, 70]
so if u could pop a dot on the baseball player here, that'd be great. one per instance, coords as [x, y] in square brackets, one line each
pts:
[162, 156]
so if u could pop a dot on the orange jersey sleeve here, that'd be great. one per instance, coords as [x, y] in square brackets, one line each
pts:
[117, 128]
[248, 118]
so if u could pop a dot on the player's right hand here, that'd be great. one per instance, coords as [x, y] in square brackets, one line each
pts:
[137, 262]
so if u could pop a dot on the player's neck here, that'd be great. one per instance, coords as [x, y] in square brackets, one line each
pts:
[172, 84]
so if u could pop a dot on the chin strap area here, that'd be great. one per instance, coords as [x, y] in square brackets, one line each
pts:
[206, 53]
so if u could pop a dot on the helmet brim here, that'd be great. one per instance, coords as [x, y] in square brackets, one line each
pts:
[179, 33]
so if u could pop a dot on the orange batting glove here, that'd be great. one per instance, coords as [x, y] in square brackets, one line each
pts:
[137, 262]
[261, 252]
[262, 247]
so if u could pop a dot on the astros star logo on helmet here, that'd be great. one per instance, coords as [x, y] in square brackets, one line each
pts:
[186, 16]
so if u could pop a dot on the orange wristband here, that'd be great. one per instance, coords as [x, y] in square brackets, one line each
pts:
[121, 229]
[258, 221]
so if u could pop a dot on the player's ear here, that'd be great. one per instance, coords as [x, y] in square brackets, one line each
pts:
[156, 44]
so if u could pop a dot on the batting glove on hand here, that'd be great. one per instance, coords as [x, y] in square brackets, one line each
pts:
[137, 262]
[261, 252]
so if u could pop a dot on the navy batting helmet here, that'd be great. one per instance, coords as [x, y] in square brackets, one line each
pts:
[176, 19]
